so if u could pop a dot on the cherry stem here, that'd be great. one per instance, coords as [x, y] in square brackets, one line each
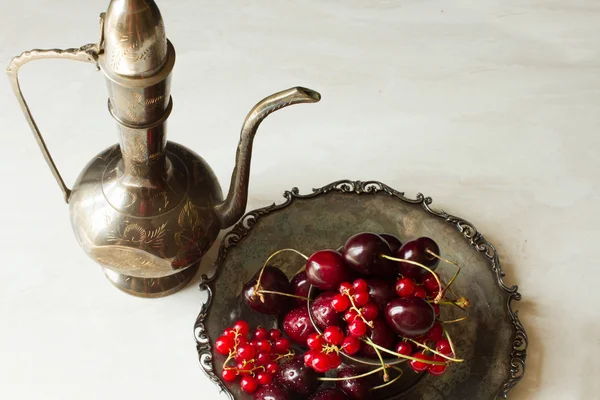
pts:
[374, 345]
[257, 286]
[436, 352]
[386, 376]
[282, 294]
[369, 323]
[400, 372]
[350, 377]
[449, 340]
[449, 262]
[453, 321]
[437, 278]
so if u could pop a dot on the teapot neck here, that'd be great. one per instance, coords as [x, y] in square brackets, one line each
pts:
[143, 150]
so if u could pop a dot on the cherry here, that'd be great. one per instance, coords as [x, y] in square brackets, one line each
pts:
[416, 250]
[360, 285]
[245, 352]
[354, 388]
[392, 241]
[272, 368]
[405, 287]
[297, 377]
[350, 345]
[437, 370]
[420, 292]
[443, 346]
[241, 327]
[224, 344]
[362, 252]
[264, 378]
[419, 366]
[333, 335]
[340, 302]
[300, 286]
[297, 325]
[281, 345]
[248, 384]
[381, 335]
[323, 312]
[409, 317]
[335, 360]
[315, 341]
[404, 348]
[229, 375]
[325, 269]
[273, 391]
[369, 311]
[272, 279]
[381, 291]
[320, 362]
[328, 394]
[361, 298]
[357, 328]
[261, 333]
[274, 334]
[263, 358]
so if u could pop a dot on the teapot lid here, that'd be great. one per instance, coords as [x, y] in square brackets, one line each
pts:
[135, 43]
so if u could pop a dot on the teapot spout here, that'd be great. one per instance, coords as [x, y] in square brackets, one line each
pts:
[233, 207]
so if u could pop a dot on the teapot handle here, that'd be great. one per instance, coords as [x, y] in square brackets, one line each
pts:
[87, 53]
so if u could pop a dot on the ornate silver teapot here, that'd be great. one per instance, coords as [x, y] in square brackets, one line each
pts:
[146, 209]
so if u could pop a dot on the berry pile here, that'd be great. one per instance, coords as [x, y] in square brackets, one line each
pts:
[253, 357]
[373, 298]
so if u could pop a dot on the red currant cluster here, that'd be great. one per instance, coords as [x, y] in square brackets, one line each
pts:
[354, 301]
[255, 356]
[428, 289]
[324, 353]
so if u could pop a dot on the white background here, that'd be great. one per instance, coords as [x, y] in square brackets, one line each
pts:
[490, 107]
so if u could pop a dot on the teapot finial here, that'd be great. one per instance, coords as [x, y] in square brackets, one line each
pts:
[232, 209]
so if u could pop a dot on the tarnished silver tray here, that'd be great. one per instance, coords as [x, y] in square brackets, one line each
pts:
[492, 341]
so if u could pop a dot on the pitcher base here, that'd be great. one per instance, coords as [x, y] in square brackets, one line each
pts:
[151, 287]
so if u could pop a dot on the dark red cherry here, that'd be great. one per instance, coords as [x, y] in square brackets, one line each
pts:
[273, 279]
[323, 312]
[381, 291]
[381, 335]
[297, 325]
[409, 317]
[325, 270]
[392, 241]
[354, 388]
[329, 394]
[272, 391]
[363, 251]
[299, 286]
[297, 377]
[416, 250]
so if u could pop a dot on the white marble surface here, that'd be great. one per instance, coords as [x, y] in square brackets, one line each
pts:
[492, 108]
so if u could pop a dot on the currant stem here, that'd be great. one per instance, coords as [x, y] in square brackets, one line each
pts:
[449, 340]
[283, 294]
[350, 377]
[449, 262]
[436, 352]
[452, 321]
[369, 323]
[440, 293]
[374, 345]
[257, 286]
[400, 372]
[386, 376]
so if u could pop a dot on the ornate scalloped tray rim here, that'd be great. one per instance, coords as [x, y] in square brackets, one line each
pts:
[475, 239]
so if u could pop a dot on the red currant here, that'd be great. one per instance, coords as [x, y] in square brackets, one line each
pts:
[334, 360]
[241, 340]
[370, 311]
[420, 292]
[281, 345]
[272, 368]
[357, 328]
[346, 287]
[340, 302]
[229, 374]
[263, 358]
[333, 335]
[405, 287]
[264, 378]
[315, 341]
[360, 285]
[245, 352]
[350, 316]
[436, 309]
[435, 333]
[419, 366]
[361, 298]
[350, 345]
[308, 357]
[245, 368]
[242, 327]
[248, 384]
[224, 344]
[404, 348]
[263, 345]
[274, 334]
[443, 346]
[437, 370]
[430, 283]
[261, 333]
[321, 363]
[229, 332]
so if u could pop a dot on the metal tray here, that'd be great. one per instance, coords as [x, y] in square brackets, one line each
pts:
[492, 341]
